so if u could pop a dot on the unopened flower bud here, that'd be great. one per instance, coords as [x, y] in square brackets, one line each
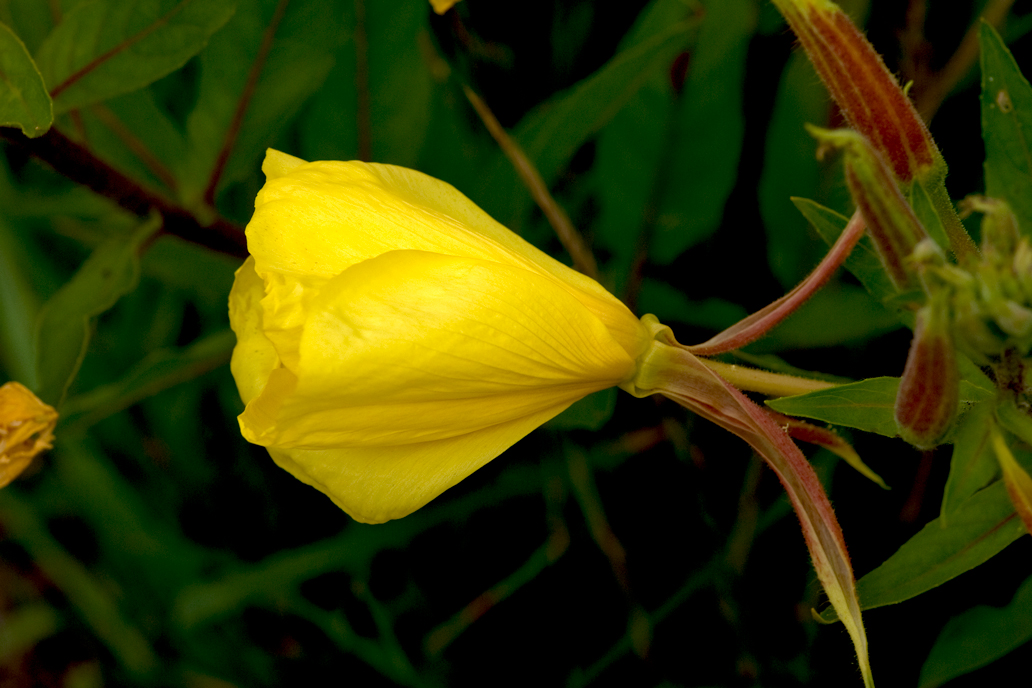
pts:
[929, 393]
[869, 96]
[1021, 264]
[999, 226]
[891, 221]
[26, 429]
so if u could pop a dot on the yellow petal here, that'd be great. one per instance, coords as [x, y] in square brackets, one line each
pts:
[312, 221]
[414, 347]
[26, 429]
[442, 6]
[377, 484]
[254, 356]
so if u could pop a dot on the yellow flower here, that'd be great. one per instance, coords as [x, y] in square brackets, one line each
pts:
[26, 429]
[392, 338]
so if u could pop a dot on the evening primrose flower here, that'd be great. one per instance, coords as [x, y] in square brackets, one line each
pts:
[393, 338]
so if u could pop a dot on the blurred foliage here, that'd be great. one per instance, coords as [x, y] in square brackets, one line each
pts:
[622, 544]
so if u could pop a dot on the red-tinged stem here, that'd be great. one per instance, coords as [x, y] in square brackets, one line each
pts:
[82, 166]
[242, 104]
[830, 440]
[124, 45]
[671, 370]
[758, 324]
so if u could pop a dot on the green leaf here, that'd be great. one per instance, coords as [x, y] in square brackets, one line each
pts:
[980, 528]
[24, 101]
[1006, 127]
[865, 405]
[1015, 420]
[977, 637]
[32, 20]
[64, 328]
[160, 370]
[106, 48]
[710, 125]
[553, 131]
[402, 95]
[923, 207]
[791, 168]
[863, 262]
[136, 135]
[235, 82]
[18, 308]
[973, 463]
[837, 314]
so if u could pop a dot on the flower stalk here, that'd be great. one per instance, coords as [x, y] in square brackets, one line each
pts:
[673, 371]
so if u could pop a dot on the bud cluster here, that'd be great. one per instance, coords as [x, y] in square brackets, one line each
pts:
[990, 299]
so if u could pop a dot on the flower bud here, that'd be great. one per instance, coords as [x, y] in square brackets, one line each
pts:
[1021, 264]
[870, 98]
[999, 226]
[26, 429]
[891, 221]
[929, 393]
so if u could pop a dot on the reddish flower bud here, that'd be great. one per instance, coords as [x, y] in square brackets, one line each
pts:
[869, 96]
[929, 393]
[891, 221]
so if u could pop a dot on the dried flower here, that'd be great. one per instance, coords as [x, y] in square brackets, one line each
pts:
[26, 429]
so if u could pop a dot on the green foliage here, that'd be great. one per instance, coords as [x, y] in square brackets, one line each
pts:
[978, 637]
[65, 322]
[158, 545]
[24, 101]
[1006, 127]
[977, 530]
[104, 48]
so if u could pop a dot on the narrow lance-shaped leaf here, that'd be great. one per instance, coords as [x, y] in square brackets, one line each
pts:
[977, 637]
[1006, 127]
[708, 131]
[865, 405]
[972, 465]
[105, 48]
[63, 331]
[24, 101]
[254, 75]
[979, 529]
[553, 132]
